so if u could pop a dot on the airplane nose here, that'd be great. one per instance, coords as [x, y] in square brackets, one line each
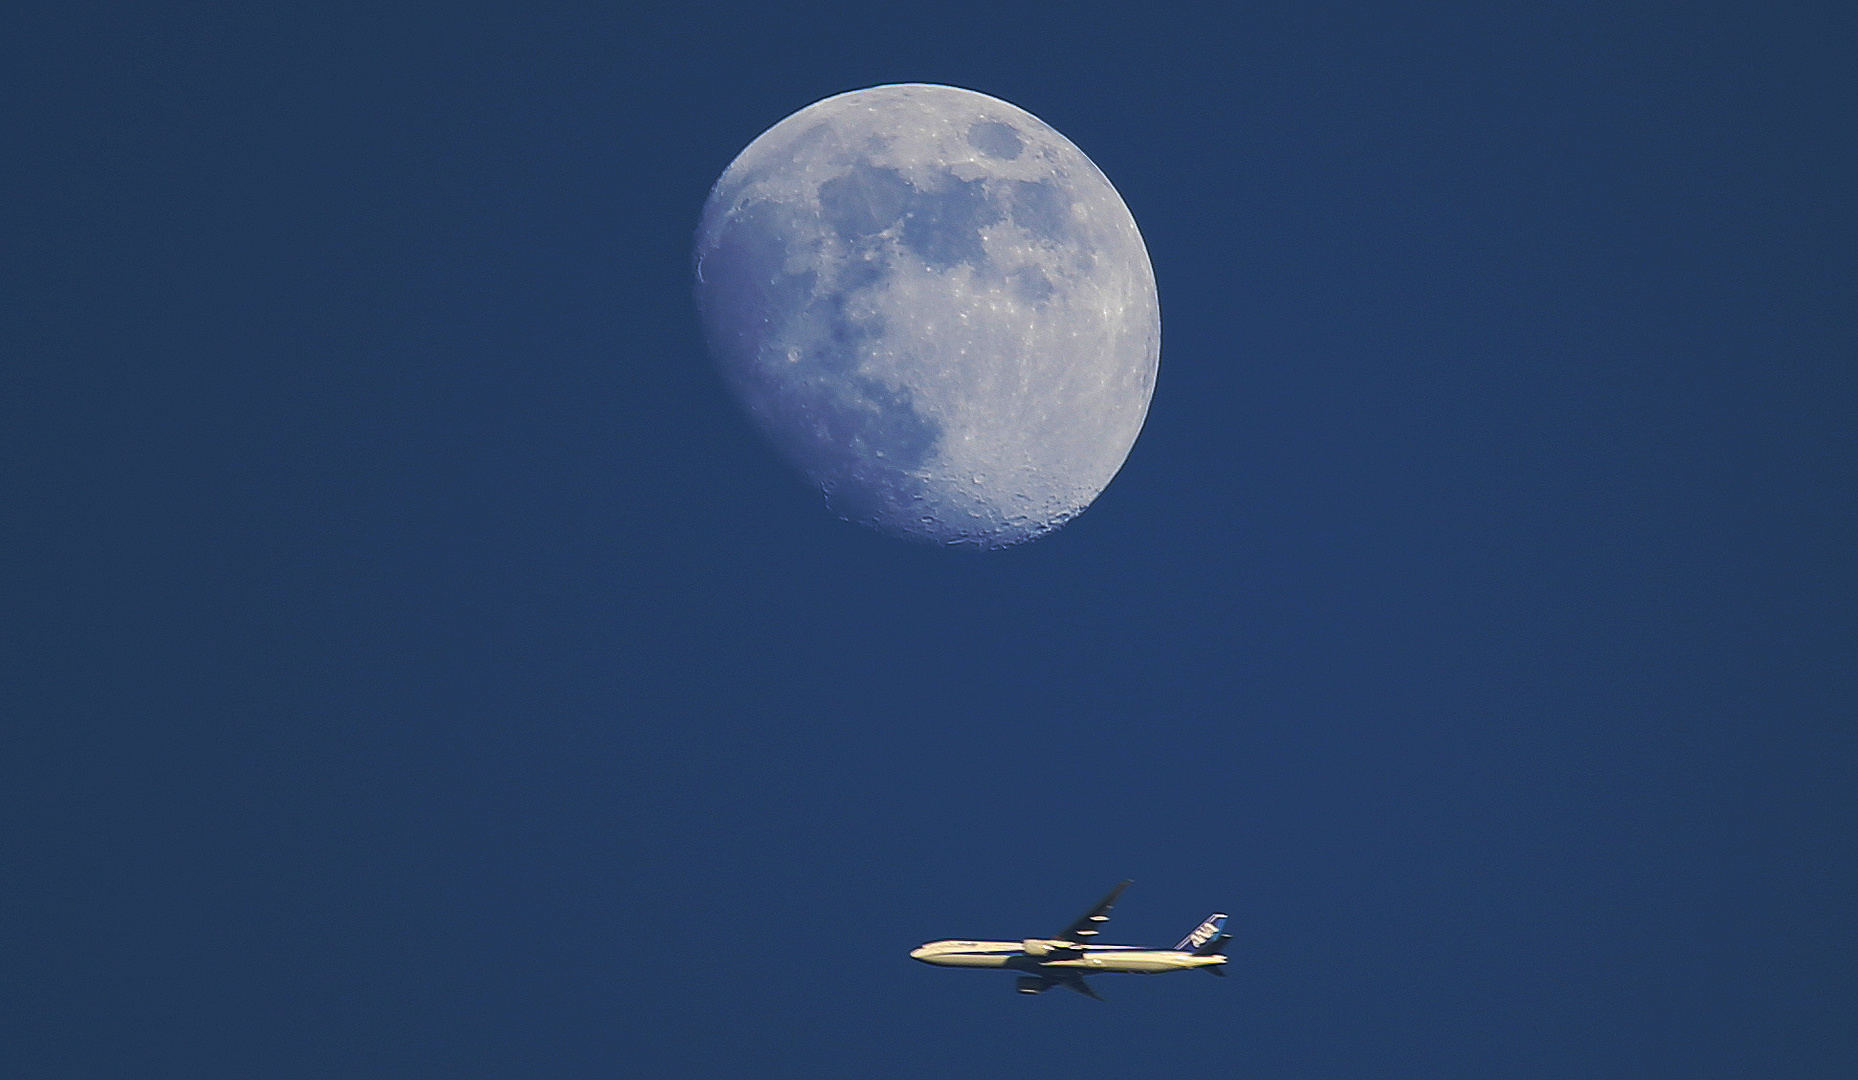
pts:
[921, 952]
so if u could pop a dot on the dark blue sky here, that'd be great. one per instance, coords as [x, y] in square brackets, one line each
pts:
[415, 667]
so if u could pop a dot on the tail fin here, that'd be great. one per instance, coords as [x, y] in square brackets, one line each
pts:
[1208, 931]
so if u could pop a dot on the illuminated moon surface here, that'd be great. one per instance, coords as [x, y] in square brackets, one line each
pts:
[936, 307]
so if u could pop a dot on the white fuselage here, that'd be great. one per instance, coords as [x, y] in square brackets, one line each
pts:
[1057, 955]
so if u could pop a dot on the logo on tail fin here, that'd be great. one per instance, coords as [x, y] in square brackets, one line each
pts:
[1203, 933]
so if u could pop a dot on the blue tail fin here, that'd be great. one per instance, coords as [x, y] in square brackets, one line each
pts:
[1205, 932]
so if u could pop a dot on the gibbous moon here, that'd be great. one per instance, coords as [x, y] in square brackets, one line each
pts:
[936, 307]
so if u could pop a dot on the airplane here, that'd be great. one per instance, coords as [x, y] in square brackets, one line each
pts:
[1065, 960]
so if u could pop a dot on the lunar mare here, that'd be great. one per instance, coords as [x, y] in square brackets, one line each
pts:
[936, 307]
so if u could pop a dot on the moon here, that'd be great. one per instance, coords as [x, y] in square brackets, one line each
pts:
[936, 307]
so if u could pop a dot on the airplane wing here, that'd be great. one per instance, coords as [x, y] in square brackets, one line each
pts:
[1085, 928]
[1038, 984]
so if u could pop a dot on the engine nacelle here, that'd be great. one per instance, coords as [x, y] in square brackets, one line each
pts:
[1032, 984]
[1042, 947]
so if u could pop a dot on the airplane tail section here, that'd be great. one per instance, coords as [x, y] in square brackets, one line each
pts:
[1215, 947]
[1213, 929]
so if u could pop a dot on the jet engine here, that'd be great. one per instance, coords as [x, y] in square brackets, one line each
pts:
[1032, 984]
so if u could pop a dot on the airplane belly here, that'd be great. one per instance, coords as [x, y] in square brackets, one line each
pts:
[1132, 961]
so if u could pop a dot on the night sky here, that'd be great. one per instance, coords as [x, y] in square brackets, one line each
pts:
[415, 665]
